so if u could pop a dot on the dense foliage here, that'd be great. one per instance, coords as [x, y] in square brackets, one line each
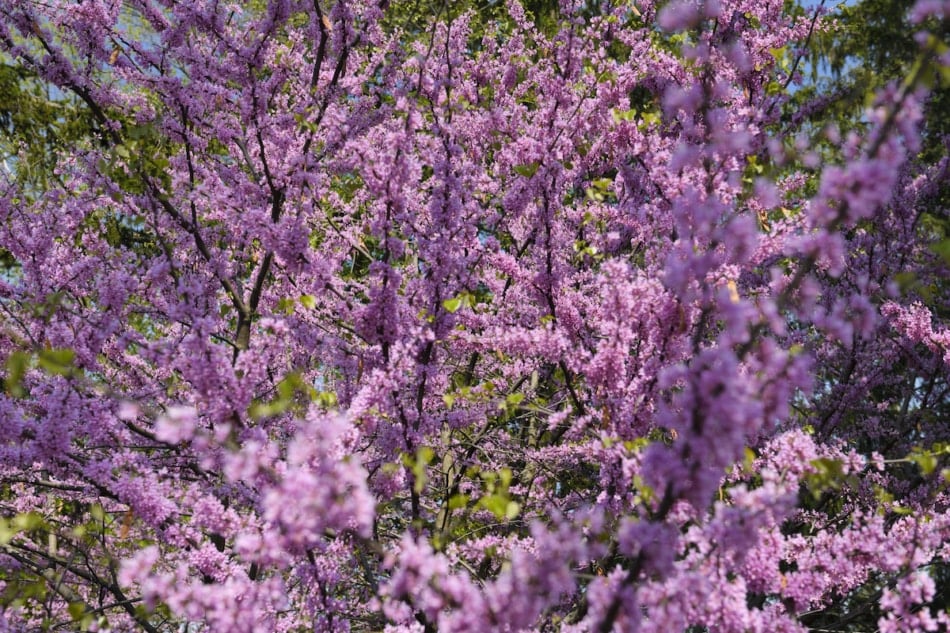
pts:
[354, 315]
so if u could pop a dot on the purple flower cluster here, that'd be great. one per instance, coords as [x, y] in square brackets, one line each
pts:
[337, 324]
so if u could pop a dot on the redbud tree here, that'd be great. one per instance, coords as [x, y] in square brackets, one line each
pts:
[328, 319]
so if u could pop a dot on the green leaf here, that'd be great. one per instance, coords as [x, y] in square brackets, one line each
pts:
[417, 465]
[512, 508]
[942, 249]
[308, 301]
[925, 460]
[76, 610]
[828, 475]
[514, 399]
[16, 366]
[57, 361]
[496, 504]
[505, 476]
[326, 399]
[458, 501]
[651, 118]
[527, 170]
[26, 521]
[637, 444]
[748, 459]
[261, 410]
[452, 305]
[883, 495]
[7, 532]
[623, 115]
[425, 454]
